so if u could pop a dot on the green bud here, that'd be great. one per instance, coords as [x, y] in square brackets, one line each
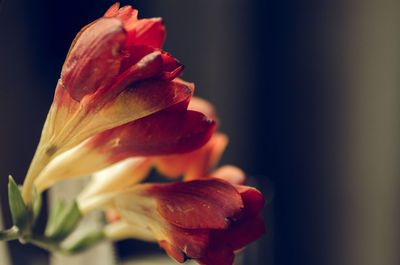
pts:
[36, 205]
[82, 241]
[56, 211]
[18, 209]
[63, 221]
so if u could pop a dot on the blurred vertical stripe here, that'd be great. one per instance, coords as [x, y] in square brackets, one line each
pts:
[370, 148]
[4, 256]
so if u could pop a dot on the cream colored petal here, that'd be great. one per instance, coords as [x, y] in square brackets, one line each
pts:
[116, 178]
[132, 104]
[73, 163]
[121, 229]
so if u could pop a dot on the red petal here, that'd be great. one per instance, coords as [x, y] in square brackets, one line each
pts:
[218, 255]
[133, 54]
[249, 228]
[127, 14]
[183, 105]
[171, 67]
[149, 32]
[172, 251]
[197, 204]
[252, 199]
[128, 17]
[138, 207]
[196, 164]
[157, 134]
[241, 234]
[192, 242]
[112, 11]
[94, 59]
[223, 243]
[135, 102]
[145, 68]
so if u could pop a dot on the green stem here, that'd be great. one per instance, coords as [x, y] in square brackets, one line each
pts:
[44, 243]
[9, 234]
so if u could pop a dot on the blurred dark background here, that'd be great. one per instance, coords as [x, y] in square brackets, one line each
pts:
[308, 92]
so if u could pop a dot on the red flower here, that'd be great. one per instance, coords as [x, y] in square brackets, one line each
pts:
[114, 73]
[162, 133]
[206, 220]
[199, 163]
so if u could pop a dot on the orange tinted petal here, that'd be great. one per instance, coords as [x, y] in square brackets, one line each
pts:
[203, 106]
[138, 101]
[158, 134]
[172, 251]
[232, 174]
[149, 31]
[197, 204]
[196, 164]
[112, 11]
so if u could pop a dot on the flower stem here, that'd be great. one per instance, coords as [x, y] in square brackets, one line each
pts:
[44, 243]
[9, 234]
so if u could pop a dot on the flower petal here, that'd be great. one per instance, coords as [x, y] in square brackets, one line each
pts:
[171, 67]
[197, 204]
[94, 59]
[127, 15]
[232, 174]
[115, 178]
[122, 230]
[158, 134]
[245, 230]
[183, 105]
[168, 210]
[147, 66]
[60, 112]
[149, 32]
[196, 164]
[136, 102]
[75, 162]
[204, 107]
[142, 213]
[218, 255]
[252, 199]
[172, 251]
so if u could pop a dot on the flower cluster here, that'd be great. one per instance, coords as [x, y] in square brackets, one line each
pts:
[119, 110]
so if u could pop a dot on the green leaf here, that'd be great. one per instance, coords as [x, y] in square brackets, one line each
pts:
[63, 221]
[18, 209]
[56, 211]
[82, 242]
[36, 205]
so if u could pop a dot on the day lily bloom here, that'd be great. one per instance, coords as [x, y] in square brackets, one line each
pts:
[114, 73]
